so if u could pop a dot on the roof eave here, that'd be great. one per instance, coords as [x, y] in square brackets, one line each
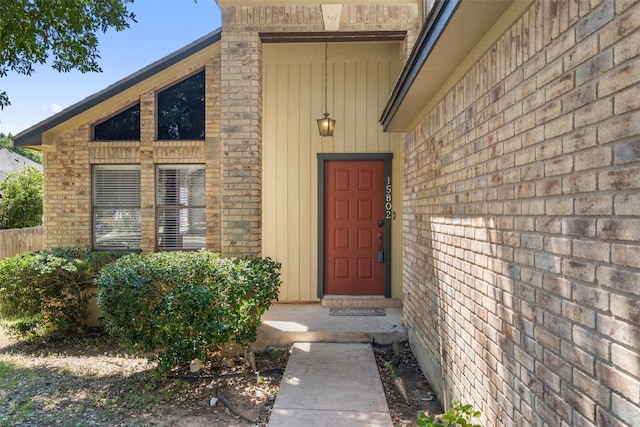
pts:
[431, 31]
[32, 137]
[455, 36]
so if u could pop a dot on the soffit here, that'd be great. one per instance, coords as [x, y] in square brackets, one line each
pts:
[440, 59]
[332, 36]
[239, 3]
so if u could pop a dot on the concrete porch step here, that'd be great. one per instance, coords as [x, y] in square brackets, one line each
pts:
[285, 324]
[360, 301]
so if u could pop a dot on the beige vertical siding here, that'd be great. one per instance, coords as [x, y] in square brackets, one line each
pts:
[361, 76]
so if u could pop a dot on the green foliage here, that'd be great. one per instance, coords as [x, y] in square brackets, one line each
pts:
[181, 305]
[31, 31]
[46, 292]
[277, 355]
[458, 415]
[7, 142]
[388, 365]
[21, 201]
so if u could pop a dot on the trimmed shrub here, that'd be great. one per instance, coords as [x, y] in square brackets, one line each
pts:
[21, 201]
[182, 305]
[48, 291]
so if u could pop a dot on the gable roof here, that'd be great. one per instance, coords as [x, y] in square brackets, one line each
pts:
[33, 136]
[11, 161]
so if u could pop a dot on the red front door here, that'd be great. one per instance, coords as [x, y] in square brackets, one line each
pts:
[354, 213]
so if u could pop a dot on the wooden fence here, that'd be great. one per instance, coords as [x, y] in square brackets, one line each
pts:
[19, 240]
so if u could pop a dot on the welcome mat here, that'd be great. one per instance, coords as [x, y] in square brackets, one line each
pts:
[357, 311]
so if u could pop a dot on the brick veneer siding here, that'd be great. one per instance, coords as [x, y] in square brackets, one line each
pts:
[241, 89]
[67, 183]
[66, 220]
[241, 96]
[522, 223]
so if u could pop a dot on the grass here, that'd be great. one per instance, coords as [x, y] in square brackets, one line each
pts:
[89, 381]
[45, 387]
[19, 408]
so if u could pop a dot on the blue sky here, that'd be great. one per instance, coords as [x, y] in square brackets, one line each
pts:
[163, 27]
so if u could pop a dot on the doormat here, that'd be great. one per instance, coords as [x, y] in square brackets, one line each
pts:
[357, 311]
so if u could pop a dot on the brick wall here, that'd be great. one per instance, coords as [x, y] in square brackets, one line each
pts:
[241, 126]
[67, 183]
[66, 190]
[522, 223]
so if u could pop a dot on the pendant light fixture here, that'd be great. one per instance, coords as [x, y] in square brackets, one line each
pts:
[326, 125]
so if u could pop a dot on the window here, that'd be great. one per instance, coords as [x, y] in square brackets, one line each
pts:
[181, 110]
[181, 207]
[116, 207]
[124, 126]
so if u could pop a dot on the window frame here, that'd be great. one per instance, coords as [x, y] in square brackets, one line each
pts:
[128, 107]
[204, 106]
[95, 207]
[191, 209]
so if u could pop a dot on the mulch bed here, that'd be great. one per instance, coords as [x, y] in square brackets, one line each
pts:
[407, 390]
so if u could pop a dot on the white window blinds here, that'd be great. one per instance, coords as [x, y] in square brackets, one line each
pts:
[116, 207]
[180, 193]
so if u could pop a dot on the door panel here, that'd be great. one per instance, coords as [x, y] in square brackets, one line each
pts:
[354, 203]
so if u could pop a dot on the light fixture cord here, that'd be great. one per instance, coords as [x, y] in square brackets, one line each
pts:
[326, 78]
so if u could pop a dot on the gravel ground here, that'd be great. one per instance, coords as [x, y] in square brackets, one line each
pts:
[91, 381]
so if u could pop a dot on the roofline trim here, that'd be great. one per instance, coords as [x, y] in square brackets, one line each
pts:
[331, 36]
[33, 135]
[433, 28]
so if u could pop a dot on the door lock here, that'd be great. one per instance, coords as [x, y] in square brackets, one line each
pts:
[380, 223]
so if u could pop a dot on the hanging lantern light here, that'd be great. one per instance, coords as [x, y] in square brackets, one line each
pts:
[326, 125]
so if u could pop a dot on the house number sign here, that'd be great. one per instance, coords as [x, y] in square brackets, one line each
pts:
[388, 207]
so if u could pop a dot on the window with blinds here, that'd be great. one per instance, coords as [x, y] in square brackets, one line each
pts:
[180, 205]
[116, 207]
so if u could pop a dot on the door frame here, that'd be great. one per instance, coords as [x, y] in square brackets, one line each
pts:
[322, 159]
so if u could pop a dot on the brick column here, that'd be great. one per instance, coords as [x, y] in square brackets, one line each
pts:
[241, 126]
[147, 172]
[213, 155]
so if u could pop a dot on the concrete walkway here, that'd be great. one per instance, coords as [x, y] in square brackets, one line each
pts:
[331, 384]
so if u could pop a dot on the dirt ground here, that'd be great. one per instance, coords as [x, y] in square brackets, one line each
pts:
[406, 389]
[91, 381]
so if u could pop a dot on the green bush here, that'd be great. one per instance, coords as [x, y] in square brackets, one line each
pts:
[48, 291]
[458, 415]
[181, 305]
[21, 201]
